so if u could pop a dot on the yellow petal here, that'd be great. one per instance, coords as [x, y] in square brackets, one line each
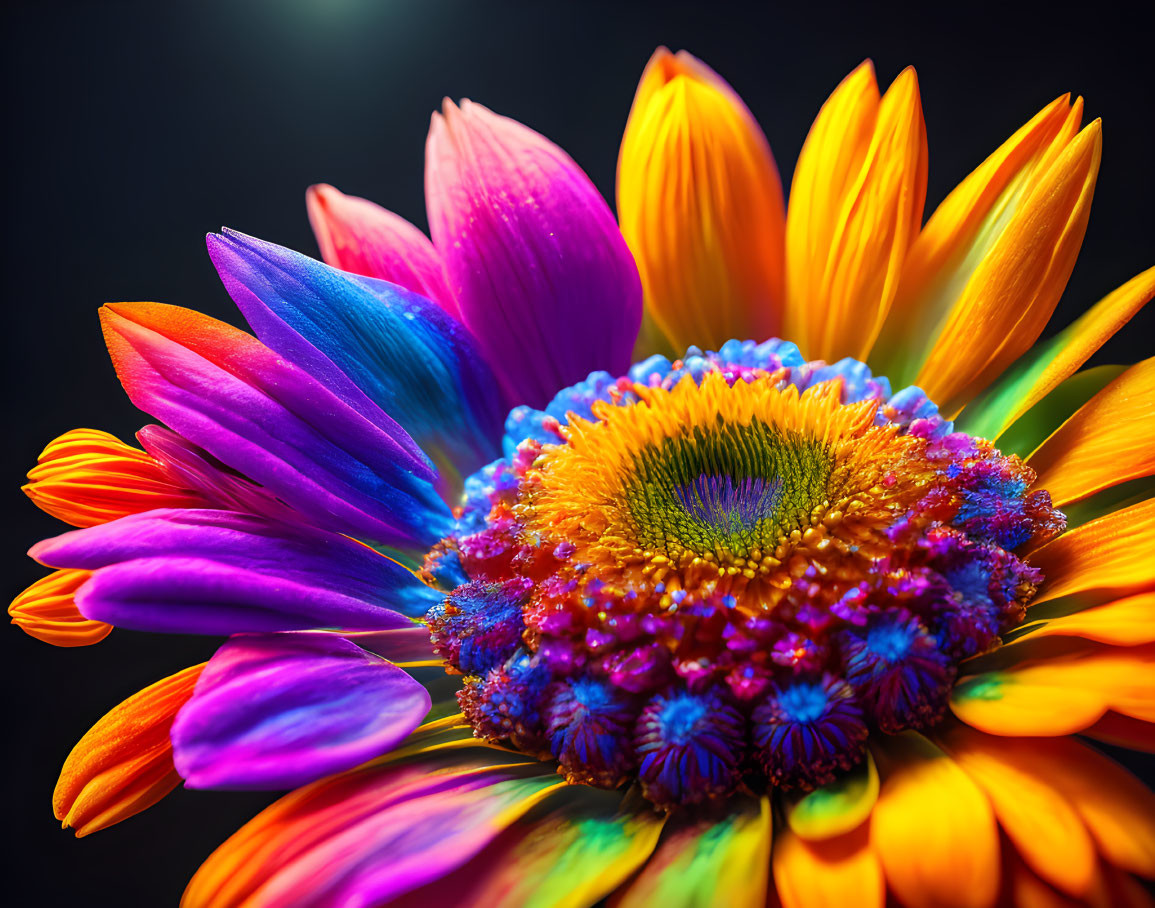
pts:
[47, 611]
[700, 205]
[1006, 284]
[1107, 554]
[855, 207]
[1046, 830]
[1060, 688]
[933, 829]
[124, 763]
[87, 477]
[1049, 363]
[1108, 441]
[829, 874]
[1125, 622]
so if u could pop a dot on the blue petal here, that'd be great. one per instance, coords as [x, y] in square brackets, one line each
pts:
[360, 335]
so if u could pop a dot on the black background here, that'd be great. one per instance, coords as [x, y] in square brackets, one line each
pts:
[131, 129]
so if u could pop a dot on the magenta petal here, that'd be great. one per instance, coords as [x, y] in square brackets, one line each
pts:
[358, 236]
[533, 255]
[364, 842]
[216, 572]
[281, 710]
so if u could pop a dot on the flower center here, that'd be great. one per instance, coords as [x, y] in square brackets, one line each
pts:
[717, 575]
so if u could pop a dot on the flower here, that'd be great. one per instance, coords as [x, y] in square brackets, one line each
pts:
[524, 623]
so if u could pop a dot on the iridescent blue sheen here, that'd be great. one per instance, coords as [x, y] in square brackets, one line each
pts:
[589, 725]
[479, 625]
[736, 360]
[690, 747]
[806, 731]
[897, 670]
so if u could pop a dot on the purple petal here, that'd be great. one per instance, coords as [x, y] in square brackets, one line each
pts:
[219, 572]
[533, 255]
[281, 710]
[348, 468]
[225, 488]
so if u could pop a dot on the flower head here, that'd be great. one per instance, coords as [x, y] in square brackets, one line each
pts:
[524, 623]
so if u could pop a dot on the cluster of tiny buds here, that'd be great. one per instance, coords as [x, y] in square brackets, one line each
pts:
[697, 676]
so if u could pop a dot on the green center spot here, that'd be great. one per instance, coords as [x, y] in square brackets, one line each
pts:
[726, 489]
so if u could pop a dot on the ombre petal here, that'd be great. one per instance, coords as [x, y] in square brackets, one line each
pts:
[989, 301]
[282, 710]
[217, 572]
[370, 835]
[47, 611]
[124, 764]
[1058, 687]
[86, 477]
[855, 208]
[344, 464]
[933, 829]
[533, 255]
[1042, 824]
[700, 204]
[1049, 363]
[575, 849]
[710, 860]
[1110, 440]
[412, 360]
[836, 808]
[1102, 557]
[828, 874]
[358, 236]
[1034, 427]
[964, 228]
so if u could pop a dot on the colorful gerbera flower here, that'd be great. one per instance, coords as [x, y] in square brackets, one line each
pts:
[550, 575]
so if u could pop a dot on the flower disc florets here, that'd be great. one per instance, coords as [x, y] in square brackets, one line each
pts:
[729, 570]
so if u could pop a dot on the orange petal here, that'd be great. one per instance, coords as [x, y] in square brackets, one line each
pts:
[1046, 830]
[1126, 622]
[1107, 555]
[700, 205]
[1058, 694]
[1023, 889]
[855, 207]
[1108, 441]
[933, 829]
[124, 763]
[47, 610]
[87, 477]
[958, 234]
[1006, 284]
[1118, 809]
[1123, 731]
[828, 874]
[1049, 363]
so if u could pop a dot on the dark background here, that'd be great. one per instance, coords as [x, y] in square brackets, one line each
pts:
[131, 129]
